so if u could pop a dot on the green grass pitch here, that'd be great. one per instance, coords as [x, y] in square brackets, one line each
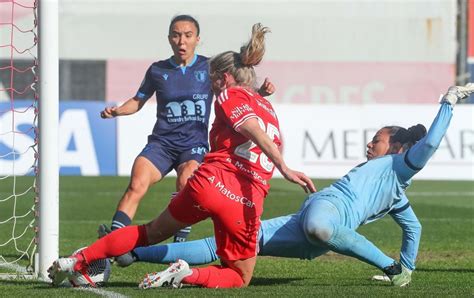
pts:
[445, 265]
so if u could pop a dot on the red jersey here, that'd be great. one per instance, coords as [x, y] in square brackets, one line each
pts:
[231, 150]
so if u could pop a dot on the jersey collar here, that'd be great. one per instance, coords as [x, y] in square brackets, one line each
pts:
[183, 68]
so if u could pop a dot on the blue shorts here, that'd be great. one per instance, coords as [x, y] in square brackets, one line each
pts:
[165, 159]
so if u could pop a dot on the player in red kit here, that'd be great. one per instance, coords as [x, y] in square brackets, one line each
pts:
[229, 187]
[233, 180]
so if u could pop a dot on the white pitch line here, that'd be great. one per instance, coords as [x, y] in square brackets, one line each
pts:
[15, 267]
[441, 194]
[22, 270]
[416, 193]
[102, 293]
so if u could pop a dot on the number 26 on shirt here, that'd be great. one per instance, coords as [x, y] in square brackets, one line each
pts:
[245, 150]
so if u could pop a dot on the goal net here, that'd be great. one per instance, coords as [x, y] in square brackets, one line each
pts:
[20, 119]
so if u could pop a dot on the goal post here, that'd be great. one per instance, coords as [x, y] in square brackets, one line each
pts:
[48, 201]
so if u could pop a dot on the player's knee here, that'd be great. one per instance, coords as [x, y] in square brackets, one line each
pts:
[416, 227]
[153, 232]
[318, 231]
[246, 278]
[181, 182]
[185, 171]
[137, 187]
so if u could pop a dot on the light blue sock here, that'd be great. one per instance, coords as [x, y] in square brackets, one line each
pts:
[348, 242]
[195, 252]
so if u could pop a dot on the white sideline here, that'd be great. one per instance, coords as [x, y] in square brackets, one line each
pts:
[410, 193]
[102, 293]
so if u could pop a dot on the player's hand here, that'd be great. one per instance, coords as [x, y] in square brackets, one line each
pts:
[108, 112]
[267, 88]
[300, 179]
[456, 93]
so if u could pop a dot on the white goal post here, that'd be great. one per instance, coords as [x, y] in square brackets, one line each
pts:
[48, 228]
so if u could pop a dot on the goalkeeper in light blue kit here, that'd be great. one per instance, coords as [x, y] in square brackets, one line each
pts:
[328, 219]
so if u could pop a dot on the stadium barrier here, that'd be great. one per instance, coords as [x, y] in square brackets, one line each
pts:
[325, 141]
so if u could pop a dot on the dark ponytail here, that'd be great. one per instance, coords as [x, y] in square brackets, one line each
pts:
[406, 137]
[417, 132]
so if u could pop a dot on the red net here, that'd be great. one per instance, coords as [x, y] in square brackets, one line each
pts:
[18, 133]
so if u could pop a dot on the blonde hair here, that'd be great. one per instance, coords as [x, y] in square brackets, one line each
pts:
[240, 65]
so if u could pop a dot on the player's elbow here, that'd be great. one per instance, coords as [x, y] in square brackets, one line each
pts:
[430, 145]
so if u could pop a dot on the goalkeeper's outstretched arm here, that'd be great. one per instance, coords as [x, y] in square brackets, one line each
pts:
[418, 155]
[405, 217]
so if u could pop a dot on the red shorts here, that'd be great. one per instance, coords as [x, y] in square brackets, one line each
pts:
[233, 203]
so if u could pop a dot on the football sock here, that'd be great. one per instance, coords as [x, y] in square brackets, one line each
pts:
[348, 242]
[214, 277]
[120, 220]
[393, 269]
[182, 234]
[195, 252]
[116, 243]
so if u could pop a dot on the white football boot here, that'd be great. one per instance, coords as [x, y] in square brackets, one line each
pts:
[382, 278]
[61, 269]
[170, 277]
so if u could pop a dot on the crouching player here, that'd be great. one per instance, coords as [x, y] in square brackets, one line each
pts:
[329, 218]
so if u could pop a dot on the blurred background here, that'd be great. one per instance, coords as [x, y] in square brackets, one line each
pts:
[342, 70]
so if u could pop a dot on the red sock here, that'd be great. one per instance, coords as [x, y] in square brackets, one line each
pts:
[215, 277]
[116, 243]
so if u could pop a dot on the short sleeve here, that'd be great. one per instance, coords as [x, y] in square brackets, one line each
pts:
[146, 89]
[235, 107]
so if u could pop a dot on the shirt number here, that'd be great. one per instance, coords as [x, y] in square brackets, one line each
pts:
[245, 150]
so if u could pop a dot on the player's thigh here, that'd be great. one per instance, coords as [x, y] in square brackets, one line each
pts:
[195, 154]
[186, 206]
[187, 161]
[236, 228]
[244, 267]
[154, 162]
[235, 205]
[283, 237]
[319, 219]
[144, 172]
